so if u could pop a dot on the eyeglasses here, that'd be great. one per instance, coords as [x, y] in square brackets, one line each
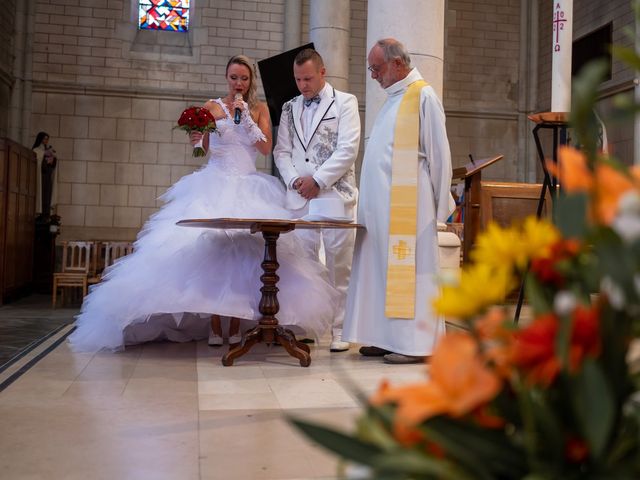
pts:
[374, 68]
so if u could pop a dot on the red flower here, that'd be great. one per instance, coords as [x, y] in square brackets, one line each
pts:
[585, 335]
[486, 419]
[201, 120]
[196, 118]
[184, 119]
[545, 267]
[576, 450]
[434, 449]
[534, 350]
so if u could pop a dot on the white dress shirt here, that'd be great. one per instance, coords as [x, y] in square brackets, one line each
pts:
[306, 119]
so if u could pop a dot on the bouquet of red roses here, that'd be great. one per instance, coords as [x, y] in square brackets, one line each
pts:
[197, 119]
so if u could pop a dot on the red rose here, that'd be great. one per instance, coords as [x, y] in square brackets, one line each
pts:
[201, 121]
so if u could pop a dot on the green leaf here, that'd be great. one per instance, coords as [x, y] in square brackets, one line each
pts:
[371, 429]
[486, 452]
[536, 295]
[546, 427]
[344, 445]
[412, 462]
[584, 97]
[627, 55]
[562, 341]
[570, 214]
[594, 406]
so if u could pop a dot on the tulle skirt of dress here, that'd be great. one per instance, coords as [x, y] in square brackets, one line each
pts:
[178, 276]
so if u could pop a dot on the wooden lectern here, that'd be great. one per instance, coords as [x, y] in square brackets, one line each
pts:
[471, 173]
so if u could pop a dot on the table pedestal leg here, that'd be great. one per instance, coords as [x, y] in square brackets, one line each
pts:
[268, 330]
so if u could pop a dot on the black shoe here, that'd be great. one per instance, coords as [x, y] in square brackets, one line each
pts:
[400, 359]
[307, 340]
[373, 351]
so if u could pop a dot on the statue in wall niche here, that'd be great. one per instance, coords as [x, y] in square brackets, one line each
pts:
[46, 188]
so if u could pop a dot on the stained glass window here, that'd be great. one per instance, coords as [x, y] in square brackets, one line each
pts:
[169, 15]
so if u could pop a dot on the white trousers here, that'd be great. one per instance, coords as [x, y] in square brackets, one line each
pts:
[338, 251]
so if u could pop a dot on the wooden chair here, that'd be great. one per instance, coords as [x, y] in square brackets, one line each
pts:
[115, 250]
[76, 264]
[97, 262]
[106, 253]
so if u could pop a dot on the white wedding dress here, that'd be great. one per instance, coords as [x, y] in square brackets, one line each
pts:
[178, 276]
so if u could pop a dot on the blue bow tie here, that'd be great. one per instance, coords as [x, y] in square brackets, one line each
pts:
[309, 101]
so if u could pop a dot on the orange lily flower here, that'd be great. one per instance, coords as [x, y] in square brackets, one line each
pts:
[572, 170]
[611, 184]
[459, 384]
[497, 340]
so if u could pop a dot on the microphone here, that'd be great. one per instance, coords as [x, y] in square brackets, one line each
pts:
[238, 112]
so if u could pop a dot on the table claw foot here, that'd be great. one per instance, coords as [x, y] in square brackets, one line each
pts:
[294, 348]
[300, 345]
[238, 349]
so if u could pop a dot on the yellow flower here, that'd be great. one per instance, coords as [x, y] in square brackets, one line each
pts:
[515, 246]
[538, 236]
[499, 247]
[480, 286]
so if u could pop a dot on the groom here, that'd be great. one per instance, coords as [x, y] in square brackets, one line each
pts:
[317, 146]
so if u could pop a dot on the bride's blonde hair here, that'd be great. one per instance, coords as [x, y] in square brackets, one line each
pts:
[252, 97]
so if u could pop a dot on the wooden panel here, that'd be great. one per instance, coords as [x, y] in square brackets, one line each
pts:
[505, 202]
[3, 211]
[24, 172]
[17, 218]
[25, 241]
[11, 241]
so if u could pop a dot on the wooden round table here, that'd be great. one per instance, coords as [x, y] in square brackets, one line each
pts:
[268, 330]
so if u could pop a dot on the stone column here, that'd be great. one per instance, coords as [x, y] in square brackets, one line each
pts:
[20, 109]
[292, 24]
[419, 25]
[527, 165]
[329, 22]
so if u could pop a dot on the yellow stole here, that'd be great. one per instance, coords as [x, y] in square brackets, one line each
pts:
[403, 215]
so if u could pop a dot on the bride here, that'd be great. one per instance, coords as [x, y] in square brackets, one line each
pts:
[179, 281]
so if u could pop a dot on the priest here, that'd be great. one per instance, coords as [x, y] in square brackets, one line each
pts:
[404, 191]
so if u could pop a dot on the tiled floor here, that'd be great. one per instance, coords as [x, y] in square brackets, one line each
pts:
[28, 320]
[172, 411]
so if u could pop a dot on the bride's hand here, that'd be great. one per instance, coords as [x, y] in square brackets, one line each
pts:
[239, 103]
[195, 137]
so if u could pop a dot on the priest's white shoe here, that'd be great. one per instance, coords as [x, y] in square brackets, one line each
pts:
[337, 345]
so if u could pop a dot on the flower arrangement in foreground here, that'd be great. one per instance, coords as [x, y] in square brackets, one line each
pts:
[197, 119]
[554, 397]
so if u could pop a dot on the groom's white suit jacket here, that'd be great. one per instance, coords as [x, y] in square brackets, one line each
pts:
[330, 151]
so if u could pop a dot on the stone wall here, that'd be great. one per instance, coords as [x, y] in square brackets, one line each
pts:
[7, 40]
[481, 97]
